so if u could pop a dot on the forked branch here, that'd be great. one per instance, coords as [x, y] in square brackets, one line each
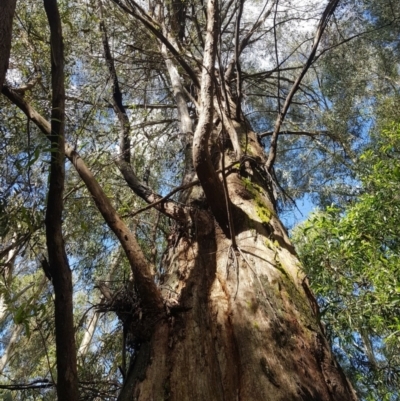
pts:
[155, 29]
[167, 207]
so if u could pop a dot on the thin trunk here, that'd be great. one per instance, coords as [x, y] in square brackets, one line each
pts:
[16, 331]
[5, 358]
[88, 336]
[186, 124]
[7, 275]
[139, 265]
[67, 376]
[7, 9]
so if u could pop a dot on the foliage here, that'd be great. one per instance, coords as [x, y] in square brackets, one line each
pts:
[352, 256]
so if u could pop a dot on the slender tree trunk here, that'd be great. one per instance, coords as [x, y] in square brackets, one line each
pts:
[16, 331]
[67, 377]
[5, 358]
[7, 9]
[7, 276]
[88, 336]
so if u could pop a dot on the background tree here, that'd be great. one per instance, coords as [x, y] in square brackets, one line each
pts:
[352, 259]
[167, 99]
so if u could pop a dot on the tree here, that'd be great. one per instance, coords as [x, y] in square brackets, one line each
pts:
[224, 311]
[7, 9]
[352, 259]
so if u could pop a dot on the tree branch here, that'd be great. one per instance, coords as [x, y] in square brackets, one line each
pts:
[155, 29]
[169, 208]
[237, 62]
[298, 133]
[141, 270]
[206, 173]
[329, 10]
[245, 41]
[7, 9]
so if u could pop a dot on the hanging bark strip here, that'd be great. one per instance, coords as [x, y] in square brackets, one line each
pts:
[67, 376]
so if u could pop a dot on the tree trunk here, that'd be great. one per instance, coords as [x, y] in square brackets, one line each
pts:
[243, 323]
[7, 9]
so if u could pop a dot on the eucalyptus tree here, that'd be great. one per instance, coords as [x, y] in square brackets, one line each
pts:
[163, 101]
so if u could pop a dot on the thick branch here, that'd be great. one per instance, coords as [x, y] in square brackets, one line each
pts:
[124, 139]
[186, 126]
[206, 173]
[141, 270]
[296, 133]
[329, 10]
[169, 208]
[229, 128]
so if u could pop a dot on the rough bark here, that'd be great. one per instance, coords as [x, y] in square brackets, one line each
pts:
[7, 9]
[244, 324]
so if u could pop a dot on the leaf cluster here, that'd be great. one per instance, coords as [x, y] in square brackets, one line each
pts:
[352, 256]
